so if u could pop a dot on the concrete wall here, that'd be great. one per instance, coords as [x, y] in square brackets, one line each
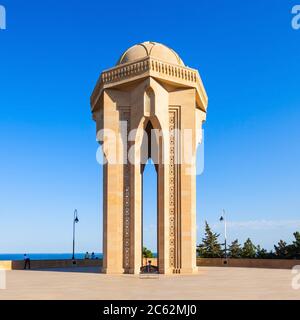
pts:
[5, 265]
[45, 264]
[248, 263]
[201, 262]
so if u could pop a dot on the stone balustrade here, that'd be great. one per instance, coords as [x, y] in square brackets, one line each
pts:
[132, 69]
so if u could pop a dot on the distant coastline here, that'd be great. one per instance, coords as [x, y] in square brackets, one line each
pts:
[49, 256]
[45, 256]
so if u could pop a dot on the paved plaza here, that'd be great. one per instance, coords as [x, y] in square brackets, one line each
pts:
[209, 283]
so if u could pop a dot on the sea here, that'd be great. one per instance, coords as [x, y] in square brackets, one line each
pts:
[46, 256]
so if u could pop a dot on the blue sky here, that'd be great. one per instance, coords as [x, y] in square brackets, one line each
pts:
[50, 58]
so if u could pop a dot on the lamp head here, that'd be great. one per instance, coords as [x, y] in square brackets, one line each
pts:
[76, 220]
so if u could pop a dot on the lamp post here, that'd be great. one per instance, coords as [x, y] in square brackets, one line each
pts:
[75, 220]
[223, 218]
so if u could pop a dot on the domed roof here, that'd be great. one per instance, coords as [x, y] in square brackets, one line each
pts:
[152, 49]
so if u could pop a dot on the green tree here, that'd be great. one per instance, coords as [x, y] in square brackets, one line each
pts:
[295, 247]
[210, 247]
[297, 239]
[147, 253]
[282, 250]
[248, 250]
[262, 253]
[234, 249]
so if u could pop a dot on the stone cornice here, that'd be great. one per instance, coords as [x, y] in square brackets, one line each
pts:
[149, 67]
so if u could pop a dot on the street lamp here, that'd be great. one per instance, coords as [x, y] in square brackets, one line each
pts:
[223, 218]
[75, 220]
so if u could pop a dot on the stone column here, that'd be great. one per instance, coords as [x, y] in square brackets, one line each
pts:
[112, 219]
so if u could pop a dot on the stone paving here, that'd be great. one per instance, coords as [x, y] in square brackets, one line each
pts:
[209, 283]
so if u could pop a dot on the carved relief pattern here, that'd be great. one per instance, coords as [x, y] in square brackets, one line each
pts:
[172, 120]
[126, 204]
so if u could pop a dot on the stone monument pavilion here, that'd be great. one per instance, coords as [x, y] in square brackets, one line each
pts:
[149, 90]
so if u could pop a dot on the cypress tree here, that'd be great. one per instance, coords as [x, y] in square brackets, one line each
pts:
[249, 249]
[210, 247]
[235, 250]
[295, 247]
[262, 253]
[281, 250]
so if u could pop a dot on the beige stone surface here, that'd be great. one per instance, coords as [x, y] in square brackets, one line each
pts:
[153, 49]
[5, 265]
[209, 283]
[149, 86]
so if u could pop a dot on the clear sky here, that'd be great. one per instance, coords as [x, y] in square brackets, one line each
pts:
[51, 55]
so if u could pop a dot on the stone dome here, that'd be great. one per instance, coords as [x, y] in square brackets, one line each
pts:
[152, 49]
